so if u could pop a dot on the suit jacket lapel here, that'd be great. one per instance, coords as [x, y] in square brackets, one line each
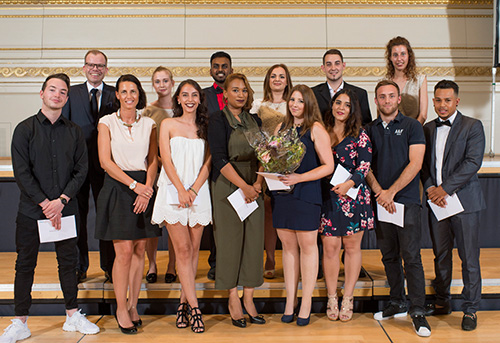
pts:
[105, 99]
[432, 137]
[452, 136]
[84, 96]
[325, 93]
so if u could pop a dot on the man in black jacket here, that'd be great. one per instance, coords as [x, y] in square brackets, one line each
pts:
[333, 67]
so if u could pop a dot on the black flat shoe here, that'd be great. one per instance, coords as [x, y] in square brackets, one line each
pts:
[241, 323]
[259, 319]
[151, 277]
[128, 331]
[137, 323]
[169, 277]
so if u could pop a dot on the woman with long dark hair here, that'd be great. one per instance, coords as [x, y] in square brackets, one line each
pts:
[344, 219]
[183, 179]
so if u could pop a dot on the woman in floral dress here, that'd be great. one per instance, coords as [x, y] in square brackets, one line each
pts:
[344, 219]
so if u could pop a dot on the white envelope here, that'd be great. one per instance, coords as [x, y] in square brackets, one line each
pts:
[48, 233]
[453, 207]
[272, 181]
[396, 218]
[173, 195]
[237, 200]
[341, 175]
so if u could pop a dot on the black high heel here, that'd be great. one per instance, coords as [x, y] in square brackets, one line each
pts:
[182, 319]
[241, 323]
[137, 323]
[128, 331]
[197, 325]
[258, 319]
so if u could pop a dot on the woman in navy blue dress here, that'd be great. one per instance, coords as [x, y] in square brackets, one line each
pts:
[296, 215]
[343, 218]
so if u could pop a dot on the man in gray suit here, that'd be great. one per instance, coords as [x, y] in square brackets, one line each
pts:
[454, 153]
[87, 103]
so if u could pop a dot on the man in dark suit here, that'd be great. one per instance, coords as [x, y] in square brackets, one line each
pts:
[333, 67]
[220, 68]
[454, 153]
[87, 103]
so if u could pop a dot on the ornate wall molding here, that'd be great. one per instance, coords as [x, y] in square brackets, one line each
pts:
[22, 72]
[253, 2]
[122, 16]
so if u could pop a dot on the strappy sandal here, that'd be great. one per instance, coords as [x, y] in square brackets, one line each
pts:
[182, 316]
[332, 307]
[346, 308]
[197, 325]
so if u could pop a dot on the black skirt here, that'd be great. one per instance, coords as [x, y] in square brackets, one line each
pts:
[115, 217]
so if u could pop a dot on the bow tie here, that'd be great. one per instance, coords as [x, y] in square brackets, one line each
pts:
[440, 123]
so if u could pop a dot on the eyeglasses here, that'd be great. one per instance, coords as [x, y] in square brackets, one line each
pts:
[93, 65]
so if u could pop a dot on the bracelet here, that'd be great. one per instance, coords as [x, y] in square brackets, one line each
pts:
[192, 189]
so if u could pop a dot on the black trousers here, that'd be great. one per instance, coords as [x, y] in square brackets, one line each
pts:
[400, 245]
[27, 245]
[94, 180]
[464, 229]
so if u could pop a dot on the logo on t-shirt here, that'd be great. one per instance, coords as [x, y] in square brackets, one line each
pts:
[398, 132]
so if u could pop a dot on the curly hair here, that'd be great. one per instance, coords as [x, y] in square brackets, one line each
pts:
[311, 109]
[353, 122]
[201, 120]
[411, 68]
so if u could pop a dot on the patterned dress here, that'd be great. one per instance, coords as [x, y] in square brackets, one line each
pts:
[341, 215]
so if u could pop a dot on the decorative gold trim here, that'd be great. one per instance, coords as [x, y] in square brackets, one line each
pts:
[83, 16]
[251, 2]
[211, 48]
[20, 72]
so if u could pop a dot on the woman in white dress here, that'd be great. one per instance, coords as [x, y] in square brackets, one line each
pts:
[272, 110]
[183, 200]
[162, 108]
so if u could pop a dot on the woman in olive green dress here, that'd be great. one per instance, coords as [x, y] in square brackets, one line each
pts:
[240, 244]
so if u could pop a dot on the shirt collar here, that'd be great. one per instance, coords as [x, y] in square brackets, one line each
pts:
[398, 118]
[217, 88]
[333, 91]
[90, 87]
[41, 118]
[451, 119]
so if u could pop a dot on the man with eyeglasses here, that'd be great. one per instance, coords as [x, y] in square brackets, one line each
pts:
[87, 103]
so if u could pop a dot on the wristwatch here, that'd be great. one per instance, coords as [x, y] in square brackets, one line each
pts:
[63, 200]
[132, 185]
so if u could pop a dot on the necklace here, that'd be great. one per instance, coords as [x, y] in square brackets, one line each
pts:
[137, 117]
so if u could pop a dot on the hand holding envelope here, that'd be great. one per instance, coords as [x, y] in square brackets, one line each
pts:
[340, 176]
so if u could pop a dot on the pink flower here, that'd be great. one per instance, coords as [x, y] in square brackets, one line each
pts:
[266, 157]
[346, 207]
[370, 223]
[363, 223]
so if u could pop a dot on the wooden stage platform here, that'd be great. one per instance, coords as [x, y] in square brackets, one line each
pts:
[46, 285]
[161, 328]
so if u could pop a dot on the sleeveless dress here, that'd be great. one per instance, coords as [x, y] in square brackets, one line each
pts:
[341, 215]
[410, 97]
[300, 209]
[187, 156]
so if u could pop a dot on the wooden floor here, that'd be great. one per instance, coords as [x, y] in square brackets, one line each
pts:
[46, 284]
[363, 328]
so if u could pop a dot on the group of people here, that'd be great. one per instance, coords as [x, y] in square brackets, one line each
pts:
[175, 161]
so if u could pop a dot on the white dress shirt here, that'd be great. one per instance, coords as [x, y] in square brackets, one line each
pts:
[441, 138]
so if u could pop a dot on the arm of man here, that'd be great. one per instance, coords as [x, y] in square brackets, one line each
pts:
[20, 153]
[386, 197]
[471, 163]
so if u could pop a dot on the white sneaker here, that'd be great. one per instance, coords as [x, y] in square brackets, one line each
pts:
[15, 332]
[78, 322]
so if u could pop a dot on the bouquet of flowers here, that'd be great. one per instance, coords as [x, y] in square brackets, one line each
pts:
[281, 153]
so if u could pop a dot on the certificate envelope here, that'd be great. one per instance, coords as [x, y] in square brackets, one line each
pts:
[453, 207]
[341, 175]
[173, 195]
[237, 200]
[272, 181]
[48, 233]
[396, 218]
